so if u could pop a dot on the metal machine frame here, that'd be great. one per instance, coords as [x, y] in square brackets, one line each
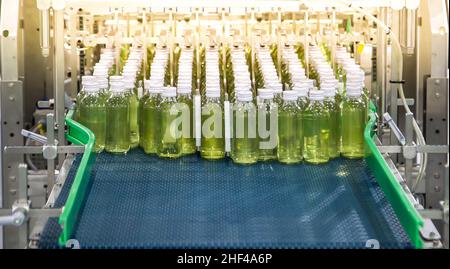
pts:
[428, 93]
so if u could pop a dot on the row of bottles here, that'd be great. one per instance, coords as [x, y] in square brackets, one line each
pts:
[304, 122]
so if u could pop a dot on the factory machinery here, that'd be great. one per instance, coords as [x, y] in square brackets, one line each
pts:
[56, 192]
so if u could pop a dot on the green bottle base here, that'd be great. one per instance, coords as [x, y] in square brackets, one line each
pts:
[98, 148]
[316, 161]
[289, 161]
[353, 155]
[334, 155]
[118, 150]
[149, 150]
[134, 141]
[188, 148]
[169, 156]
[212, 155]
[245, 159]
[266, 156]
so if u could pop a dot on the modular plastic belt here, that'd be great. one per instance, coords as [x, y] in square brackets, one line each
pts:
[141, 201]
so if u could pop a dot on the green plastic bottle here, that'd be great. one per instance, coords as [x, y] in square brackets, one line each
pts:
[81, 94]
[93, 113]
[130, 85]
[244, 143]
[213, 127]
[117, 119]
[142, 101]
[169, 136]
[354, 116]
[186, 108]
[267, 125]
[316, 129]
[277, 89]
[150, 118]
[302, 103]
[104, 88]
[288, 151]
[332, 107]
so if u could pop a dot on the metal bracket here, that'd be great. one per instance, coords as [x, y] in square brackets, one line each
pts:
[430, 234]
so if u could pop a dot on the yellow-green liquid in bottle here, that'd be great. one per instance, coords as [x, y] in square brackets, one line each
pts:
[268, 132]
[353, 124]
[334, 123]
[302, 104]
[134, 107]
[118, 121]
[213, 128]
[93, 116]
[150, 121]
[185, 103]
[288, 151]
[316, 130]
[169, 136]
[142, 101]
[244, 144]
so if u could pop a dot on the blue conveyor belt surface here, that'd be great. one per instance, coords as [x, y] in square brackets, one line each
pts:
[141, 201]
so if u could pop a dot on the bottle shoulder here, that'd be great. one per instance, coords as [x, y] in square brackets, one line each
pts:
[354, 103]
[117, 99]
[92, 99]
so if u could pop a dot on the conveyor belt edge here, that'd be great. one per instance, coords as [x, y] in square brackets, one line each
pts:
[77, 134]
[408, 216]
[410, 219]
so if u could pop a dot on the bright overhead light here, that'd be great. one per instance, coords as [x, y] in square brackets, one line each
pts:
[412, 4]
[121, 22]
[397, 4]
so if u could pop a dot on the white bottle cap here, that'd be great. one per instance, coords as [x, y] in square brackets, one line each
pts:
[91, 86]
[316, 95]
[265, 94]
[329, 91]
[170, 92]
[212, 93]
[353, 92]
[116, 86]
[129, 83]
[103, 83]
[148, 84]
[85, 79]
[184, 88]
[301, 91]
[245, 96]
[276, 88]
[290, 95]
[115, 78]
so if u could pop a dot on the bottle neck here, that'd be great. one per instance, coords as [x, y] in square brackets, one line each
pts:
[266, 101]
[316, 101]
[289, 102]
[212, 99]
[169, 99]
[184, 95]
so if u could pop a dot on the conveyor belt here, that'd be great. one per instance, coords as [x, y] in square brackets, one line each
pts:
[141, 201]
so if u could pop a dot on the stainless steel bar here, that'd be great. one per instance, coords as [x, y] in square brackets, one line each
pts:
[38, 149]
[22, 187]
[50, 142]
[436, 149]
[59, 77]
[73, 54]
[431, 213]
[45, 212]
[409, 133]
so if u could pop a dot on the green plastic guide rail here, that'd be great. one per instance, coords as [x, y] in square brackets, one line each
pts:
[408, 216]
[410, 219]
[79, 135]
